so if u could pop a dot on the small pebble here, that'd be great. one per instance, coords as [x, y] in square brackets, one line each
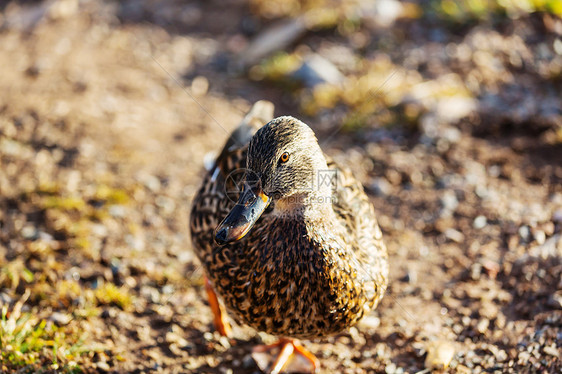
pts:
[454, 235]
[151, 182]
[550, 350]
[223, 340]
[476, 271]
[102, 365]
[199, 86]
[449, 200]
[381, 187]
[482, 325]
[524, 232]
[540, 237]
[29, 232]
[439, 354]
[248, 362]
[524, 356]
[371, 322]
[390, 368]
[60, 319]
[117, 211]
[172, 337]
[457, 329]
[480, 222]
[501, 355]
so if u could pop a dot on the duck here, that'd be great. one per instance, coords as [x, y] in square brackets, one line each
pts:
[288, 238]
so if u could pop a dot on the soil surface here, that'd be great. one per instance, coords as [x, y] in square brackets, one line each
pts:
[109, 112]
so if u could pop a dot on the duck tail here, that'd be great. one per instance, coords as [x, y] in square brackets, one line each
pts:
[260, 114]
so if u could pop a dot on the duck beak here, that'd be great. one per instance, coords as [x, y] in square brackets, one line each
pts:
[250, 206]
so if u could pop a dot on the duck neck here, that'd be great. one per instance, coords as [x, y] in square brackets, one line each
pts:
[309, 206]
[314, 199]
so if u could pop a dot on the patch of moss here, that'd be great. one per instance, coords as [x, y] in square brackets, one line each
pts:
[111, 195]
[110, 294]
[322, 96]
[462, 11]
[64, 203]
[366, 97]
[276, 68]
[318, 14]
[48, 188]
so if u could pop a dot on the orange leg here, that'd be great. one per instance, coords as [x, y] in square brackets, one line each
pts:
[219, 315]
[289, 348]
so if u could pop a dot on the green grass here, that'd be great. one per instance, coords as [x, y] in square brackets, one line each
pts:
[29, 344]
[13, 272]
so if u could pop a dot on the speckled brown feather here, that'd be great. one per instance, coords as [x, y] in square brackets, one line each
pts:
[296, 278]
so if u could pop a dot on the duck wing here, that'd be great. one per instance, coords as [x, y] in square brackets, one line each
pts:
[364, 237]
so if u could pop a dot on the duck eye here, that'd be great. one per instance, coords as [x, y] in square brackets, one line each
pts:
[284, 157]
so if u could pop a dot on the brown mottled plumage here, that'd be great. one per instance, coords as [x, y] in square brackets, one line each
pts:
[314, 262]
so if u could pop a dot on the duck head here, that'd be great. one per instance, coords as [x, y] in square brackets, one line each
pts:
[283, 164]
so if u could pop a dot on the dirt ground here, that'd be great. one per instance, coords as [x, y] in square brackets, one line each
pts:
[110, 110]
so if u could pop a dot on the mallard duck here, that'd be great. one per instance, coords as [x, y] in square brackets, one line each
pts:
[297, 251]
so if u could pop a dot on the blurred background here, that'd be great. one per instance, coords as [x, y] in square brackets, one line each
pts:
[448, 111]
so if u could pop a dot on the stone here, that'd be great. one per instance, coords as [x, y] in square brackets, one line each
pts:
[316, 70]
[275, 38]
[439, 354]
